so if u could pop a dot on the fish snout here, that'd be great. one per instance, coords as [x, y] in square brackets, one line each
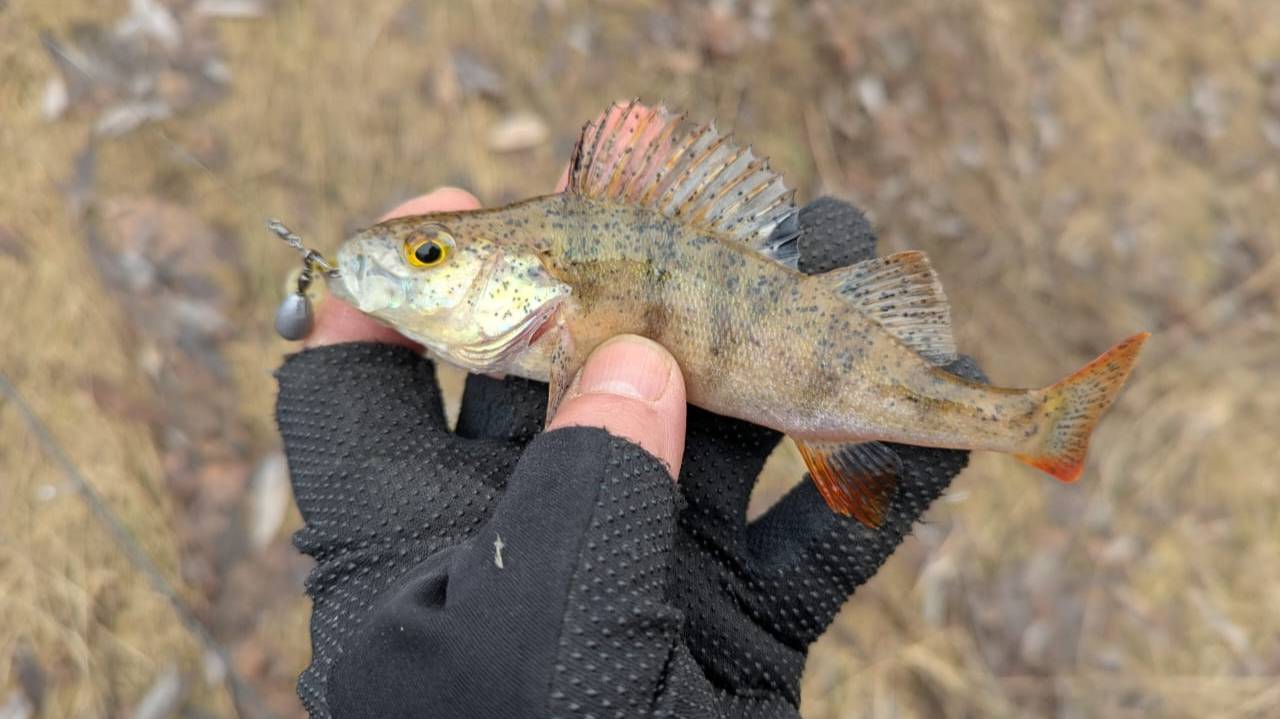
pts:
[364, 283]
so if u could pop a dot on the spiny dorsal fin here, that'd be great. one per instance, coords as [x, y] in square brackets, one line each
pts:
[856, 480]
[652, 157]
[902, 294]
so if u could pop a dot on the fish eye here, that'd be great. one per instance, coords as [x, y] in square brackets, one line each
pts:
[428, 247]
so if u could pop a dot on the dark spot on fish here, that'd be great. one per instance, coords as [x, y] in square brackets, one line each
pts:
[655, 320]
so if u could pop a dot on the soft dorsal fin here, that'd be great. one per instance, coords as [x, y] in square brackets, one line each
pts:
[652, 157]
[902, 294]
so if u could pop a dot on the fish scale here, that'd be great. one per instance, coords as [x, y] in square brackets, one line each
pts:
[670, 230]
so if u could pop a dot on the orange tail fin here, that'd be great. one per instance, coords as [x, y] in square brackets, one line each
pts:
[1073, 407]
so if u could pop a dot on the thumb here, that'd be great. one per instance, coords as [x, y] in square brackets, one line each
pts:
[632, 388]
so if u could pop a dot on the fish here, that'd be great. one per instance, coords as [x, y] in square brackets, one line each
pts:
[670, 230]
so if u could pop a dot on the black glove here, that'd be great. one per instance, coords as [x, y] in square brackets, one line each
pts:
[595, 586]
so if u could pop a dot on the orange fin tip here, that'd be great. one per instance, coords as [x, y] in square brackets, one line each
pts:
[856, 480]
[1073, 407]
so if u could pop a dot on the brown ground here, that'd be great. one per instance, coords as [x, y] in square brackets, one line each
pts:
[1078, 170]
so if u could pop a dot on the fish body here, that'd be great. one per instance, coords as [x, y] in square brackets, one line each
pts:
[669, 231]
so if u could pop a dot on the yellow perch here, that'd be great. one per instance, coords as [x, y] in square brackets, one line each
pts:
[669, 230]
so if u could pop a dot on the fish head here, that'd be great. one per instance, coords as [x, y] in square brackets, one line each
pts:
[444, 281]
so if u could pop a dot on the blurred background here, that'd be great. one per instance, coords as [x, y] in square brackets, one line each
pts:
[1078, 170]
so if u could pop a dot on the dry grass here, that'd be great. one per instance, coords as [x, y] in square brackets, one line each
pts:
[1079, 170]
[99, 634]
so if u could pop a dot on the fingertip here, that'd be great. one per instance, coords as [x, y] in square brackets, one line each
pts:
[632, 388]
[337, 322]
[441, 199]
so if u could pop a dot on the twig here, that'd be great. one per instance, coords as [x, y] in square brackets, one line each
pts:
[137, 556]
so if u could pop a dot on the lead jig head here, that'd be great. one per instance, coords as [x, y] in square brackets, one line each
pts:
[295, 318]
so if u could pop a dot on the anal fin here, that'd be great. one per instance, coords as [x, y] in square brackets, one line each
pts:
[856, 480]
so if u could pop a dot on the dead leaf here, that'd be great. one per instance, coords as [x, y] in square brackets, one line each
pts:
[475, 76]
[229, 9]
[269, 497]
[11, 245]
[517, 131]
[120, 402]
[164, 697]
[723, 33]
[151, 64]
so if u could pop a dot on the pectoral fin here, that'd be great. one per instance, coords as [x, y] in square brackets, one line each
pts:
[565, 363]
[856, 480]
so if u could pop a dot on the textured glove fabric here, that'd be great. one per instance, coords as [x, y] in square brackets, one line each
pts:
[492, 571]
[381, 483]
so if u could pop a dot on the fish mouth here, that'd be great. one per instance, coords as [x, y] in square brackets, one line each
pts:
[350, 267]
[366, 285]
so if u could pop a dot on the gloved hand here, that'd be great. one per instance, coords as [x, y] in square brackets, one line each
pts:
[493, 571]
